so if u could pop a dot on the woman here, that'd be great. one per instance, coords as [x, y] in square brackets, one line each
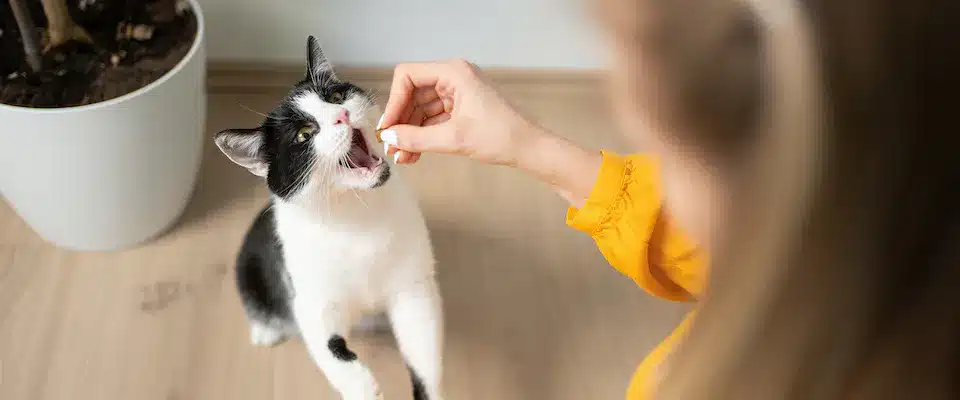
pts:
[806, 146]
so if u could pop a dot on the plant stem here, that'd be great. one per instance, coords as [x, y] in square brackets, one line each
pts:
[60, 25]
[28, 31]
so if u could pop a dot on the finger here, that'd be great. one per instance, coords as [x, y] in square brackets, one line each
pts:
[432, 108]
[407, 116]
[425, 95]
[407, 157]
[436, 119]
[439, 138]
[417, 117]
[395, 154]
[399, 156]
[399, 103]
[403, 157]
[413, 115]
[406, 79]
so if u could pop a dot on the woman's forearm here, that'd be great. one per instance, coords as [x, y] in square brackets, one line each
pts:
[570, 169]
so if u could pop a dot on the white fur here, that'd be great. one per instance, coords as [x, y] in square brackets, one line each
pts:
[356, 253]
[262, 335]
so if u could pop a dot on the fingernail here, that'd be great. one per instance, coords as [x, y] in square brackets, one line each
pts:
[389, 137]
[380, 122]
[396, 156]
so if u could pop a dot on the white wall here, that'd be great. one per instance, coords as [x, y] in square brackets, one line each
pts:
[501, 33]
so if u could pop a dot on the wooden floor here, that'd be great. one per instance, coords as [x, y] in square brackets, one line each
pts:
[532, 309]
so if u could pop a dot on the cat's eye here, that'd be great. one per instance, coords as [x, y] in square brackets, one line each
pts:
[304, 134]
[336, 97]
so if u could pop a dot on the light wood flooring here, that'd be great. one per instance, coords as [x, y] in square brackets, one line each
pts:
[532, 309]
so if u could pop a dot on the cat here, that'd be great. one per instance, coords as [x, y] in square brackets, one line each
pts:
[342, 238]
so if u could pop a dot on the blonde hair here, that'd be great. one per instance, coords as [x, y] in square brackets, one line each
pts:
[831, 121]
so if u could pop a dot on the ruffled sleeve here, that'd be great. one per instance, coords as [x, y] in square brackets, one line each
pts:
[625, 217]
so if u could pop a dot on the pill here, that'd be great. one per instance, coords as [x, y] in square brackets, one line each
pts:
[379, 139]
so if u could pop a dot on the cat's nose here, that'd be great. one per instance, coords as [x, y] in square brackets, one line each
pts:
[342, 118]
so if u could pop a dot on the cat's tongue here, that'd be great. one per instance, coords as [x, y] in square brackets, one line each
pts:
[359, 155]
[360, 158]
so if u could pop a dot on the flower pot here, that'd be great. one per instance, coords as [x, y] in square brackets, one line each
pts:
[110, 175]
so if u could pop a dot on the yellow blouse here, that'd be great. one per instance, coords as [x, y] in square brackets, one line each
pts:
[624, 215]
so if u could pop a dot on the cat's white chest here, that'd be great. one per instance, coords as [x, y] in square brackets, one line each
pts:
[347, 260]
[358, 252]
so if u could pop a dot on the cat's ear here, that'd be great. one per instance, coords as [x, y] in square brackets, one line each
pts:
[245, 148]
[319, 68]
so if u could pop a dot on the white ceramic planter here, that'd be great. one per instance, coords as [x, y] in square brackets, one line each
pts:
[110, 175]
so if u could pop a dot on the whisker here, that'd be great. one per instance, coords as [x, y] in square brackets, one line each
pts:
[359, 198]
[253, 111]
[327, 172]
[354, 190]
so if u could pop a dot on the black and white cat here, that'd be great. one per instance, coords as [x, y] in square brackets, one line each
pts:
[341, 239]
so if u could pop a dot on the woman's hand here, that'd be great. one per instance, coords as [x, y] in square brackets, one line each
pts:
[449, 107]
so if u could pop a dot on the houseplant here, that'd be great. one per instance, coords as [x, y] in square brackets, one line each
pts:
[101, 117]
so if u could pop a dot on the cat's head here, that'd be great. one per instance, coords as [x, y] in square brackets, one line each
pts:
[316, 141]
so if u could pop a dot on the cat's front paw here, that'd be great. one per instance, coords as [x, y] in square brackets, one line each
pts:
[265, 336]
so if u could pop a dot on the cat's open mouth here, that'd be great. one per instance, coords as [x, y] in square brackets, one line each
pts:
[359, 155]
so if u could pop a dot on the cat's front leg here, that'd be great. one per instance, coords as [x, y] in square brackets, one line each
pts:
[417, 318]
[324, 330]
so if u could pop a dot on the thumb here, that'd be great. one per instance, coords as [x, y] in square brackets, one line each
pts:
[440, 138]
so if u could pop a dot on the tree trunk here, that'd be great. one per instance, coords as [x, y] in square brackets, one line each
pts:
[60, 25]
[28, 31]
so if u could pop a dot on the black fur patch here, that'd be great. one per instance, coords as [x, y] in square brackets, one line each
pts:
[338, 346]
[419, 391]
[384, 176]
[289, 162]
[261, 275]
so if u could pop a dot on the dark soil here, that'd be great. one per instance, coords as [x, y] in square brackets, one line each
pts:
[115, 64]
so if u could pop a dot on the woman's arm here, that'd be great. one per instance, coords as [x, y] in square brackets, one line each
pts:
[450, 108]
[570, 169]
